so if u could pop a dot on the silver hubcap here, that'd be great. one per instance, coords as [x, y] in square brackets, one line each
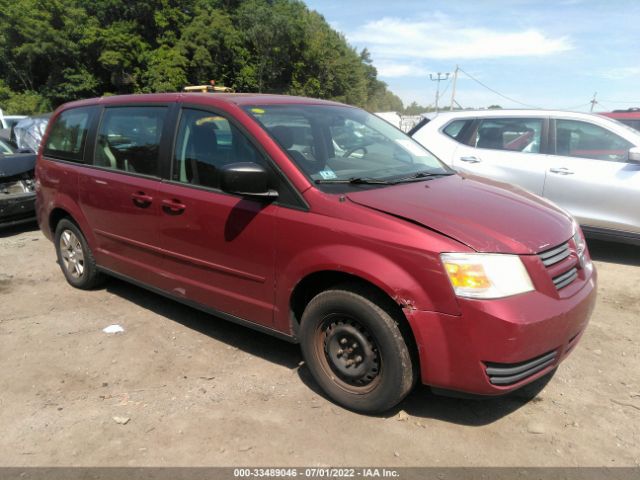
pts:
[72, 254]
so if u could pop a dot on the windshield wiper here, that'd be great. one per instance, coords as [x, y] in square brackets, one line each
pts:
[421, 176]
[355, 180]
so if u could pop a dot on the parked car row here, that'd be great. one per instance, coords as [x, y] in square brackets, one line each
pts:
[630, 117]
[20, 138]
[587, 164]
[17, 194]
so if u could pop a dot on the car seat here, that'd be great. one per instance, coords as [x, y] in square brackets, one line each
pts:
[490, 137]
[285, 137]
[202, 160]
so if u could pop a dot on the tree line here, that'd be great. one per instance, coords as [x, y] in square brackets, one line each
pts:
[54, 51]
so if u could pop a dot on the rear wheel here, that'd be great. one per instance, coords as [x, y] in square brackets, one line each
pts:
[355, 349]
[75, 257]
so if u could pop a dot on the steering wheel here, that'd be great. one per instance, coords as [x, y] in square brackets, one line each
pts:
[351, 151]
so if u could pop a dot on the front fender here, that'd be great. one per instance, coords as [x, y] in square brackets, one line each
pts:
[399, 283]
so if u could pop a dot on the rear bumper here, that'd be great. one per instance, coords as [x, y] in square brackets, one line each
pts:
[497, 346]
[17, 209]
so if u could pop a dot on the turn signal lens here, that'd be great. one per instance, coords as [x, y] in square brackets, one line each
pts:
[486, 275]
[467, 276]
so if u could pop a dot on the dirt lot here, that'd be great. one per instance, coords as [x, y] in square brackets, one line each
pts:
[201, 391]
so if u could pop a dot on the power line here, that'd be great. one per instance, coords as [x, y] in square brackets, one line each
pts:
[496, 92]
[444, 90]
[621, 101]
[575, 107]
[593, 101]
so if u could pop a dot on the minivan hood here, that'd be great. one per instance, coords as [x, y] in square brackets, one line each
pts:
[484, 215]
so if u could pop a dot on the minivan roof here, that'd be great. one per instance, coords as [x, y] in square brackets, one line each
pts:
[203, 98]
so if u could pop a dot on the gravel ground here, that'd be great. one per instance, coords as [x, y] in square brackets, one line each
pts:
[180, 388]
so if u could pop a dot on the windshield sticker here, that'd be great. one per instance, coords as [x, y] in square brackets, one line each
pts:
[411, 147]
[327, 174]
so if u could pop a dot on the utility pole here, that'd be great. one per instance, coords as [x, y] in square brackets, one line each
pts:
[438, 78]
[453, 88]
[593, 101]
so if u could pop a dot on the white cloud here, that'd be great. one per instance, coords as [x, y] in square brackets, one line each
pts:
[620, 73]
[439, 37]
[394, 69]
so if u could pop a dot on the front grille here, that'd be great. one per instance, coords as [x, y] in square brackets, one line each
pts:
[555, 255]
[561, 267]
[510, 373]
[566, 278]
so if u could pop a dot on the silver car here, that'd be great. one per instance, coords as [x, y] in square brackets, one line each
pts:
[587, 164]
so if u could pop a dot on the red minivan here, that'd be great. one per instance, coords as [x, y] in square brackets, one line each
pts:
[321, 224]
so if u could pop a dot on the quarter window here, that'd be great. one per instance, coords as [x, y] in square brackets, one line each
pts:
[456, 128]
[207, 141]
[68, 135]
[511, 134]
[129, 139]
[585, 140]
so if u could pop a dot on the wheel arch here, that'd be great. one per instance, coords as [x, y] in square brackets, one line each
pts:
[323, 280]
[65, 207]
[56, 215]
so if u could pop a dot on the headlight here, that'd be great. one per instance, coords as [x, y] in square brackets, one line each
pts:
[581, 246]
[14, 188]
[486, 275]
[579, 240]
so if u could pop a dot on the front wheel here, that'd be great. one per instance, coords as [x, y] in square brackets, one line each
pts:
[355, 349]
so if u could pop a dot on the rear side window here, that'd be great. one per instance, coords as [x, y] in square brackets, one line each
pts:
[511, 134]
[68, 135]
[129, 139]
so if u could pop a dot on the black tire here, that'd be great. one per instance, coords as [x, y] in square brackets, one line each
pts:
[75, 257]
[381, 372]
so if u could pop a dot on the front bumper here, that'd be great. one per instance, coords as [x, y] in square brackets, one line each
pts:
[497, 346]
[17, 209]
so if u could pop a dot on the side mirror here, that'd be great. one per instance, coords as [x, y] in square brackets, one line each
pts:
[246, 178]
[634, 155]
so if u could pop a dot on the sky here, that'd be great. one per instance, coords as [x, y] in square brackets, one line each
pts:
[543, 54]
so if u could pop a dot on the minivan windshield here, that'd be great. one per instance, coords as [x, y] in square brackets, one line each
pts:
[346, 145]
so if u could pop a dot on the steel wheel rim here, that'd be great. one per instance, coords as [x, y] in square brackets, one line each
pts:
[72, 254]
[340, 359]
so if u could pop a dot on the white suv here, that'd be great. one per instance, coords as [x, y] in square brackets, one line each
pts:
[588, 164]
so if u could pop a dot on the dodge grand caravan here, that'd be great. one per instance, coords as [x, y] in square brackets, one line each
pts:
[321, 224]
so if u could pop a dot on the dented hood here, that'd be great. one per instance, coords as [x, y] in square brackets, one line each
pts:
[16, 164]
[484, 215]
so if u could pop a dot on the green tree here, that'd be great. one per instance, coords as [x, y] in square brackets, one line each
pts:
[53, 51]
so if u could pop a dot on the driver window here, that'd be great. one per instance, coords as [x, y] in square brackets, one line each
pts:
[585, 140]
[207, 141]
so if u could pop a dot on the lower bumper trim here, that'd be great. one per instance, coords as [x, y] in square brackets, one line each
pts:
[507, 374]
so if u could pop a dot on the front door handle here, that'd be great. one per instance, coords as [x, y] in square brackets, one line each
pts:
[141, 199]
[561, 171]
[173, 207]
[470, 159]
